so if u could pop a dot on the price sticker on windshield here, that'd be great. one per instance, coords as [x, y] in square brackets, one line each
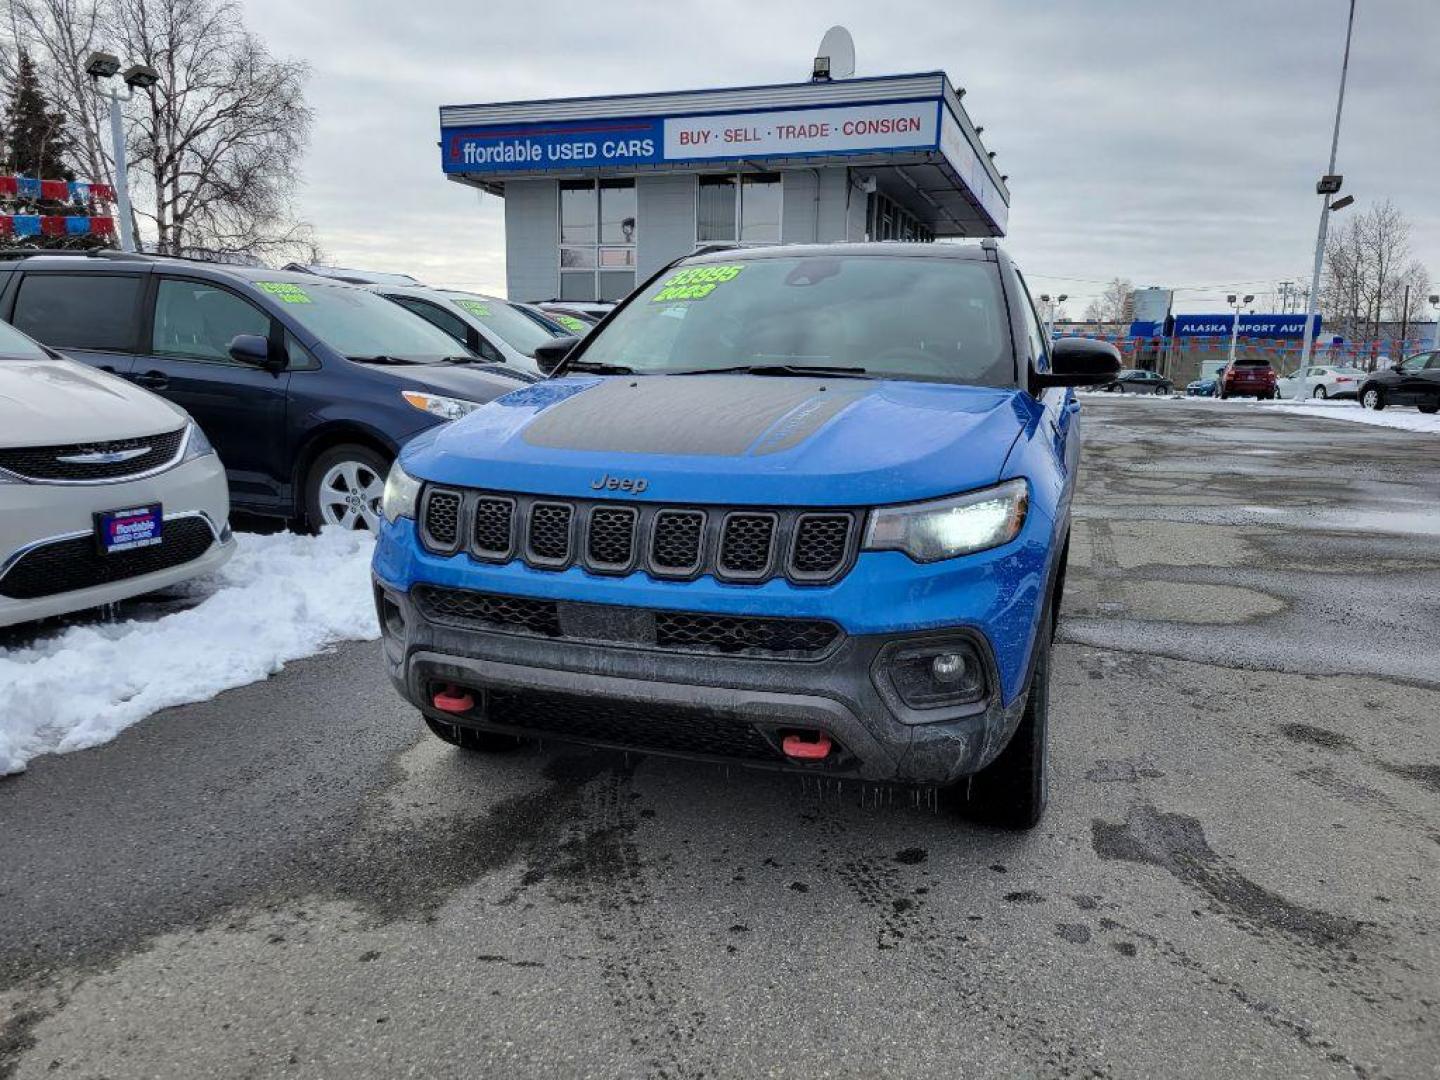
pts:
[569, 322]
[285, 291]
[478, 308]
[695, 283]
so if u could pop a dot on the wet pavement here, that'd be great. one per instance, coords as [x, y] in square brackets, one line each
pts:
[1238, 873]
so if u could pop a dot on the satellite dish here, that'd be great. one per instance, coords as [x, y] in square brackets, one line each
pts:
[835, 59]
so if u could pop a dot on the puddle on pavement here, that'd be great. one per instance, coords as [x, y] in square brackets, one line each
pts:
[1164, 601]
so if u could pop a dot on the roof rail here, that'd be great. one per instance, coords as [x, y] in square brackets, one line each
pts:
[71, 253]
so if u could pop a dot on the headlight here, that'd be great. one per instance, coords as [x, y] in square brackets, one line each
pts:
[196, 444]
[447, 408]
[402, 491]
[945, 528]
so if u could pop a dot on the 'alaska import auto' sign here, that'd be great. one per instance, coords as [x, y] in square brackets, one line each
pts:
[1265, 326]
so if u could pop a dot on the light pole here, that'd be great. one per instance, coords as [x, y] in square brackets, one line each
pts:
[1235, 321]
[137, 77]
[1051, 307]
[1435, 306]
[1329, 185]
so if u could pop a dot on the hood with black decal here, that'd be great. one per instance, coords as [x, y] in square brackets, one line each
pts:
[791, 441]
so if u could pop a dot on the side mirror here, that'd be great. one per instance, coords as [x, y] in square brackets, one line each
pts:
[549, 354]
[254, 350]
[1078, 362]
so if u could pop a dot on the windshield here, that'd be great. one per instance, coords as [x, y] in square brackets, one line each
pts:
[509, 323]
[358, 323]
[17, 346]
[925, 318]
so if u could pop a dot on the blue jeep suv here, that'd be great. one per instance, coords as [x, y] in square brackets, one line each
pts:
[798, 507]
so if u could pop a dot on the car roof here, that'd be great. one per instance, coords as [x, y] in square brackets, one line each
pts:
[106, 261]
[892, 248]
[429, 292]
[354, 277]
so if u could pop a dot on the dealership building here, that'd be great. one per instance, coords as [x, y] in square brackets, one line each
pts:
[600, 192]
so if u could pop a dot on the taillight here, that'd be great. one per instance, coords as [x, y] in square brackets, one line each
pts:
[1343, 378]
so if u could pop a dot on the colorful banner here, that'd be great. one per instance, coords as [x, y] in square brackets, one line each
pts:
[56, 225]
[74, 191]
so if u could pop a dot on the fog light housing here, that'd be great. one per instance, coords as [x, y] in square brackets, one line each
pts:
[936, 674]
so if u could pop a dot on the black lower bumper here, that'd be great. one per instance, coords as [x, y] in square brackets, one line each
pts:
[733, 708]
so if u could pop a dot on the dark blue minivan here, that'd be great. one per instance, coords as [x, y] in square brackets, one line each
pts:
[307, 387]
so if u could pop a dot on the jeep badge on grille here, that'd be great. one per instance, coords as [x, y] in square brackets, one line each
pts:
[637, 484]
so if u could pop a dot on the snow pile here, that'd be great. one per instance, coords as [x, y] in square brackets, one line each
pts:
[279, 598]
[1404, 419]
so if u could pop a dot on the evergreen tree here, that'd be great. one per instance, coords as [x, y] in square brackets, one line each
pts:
[36, 141]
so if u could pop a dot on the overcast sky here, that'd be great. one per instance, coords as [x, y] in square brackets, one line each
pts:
[1171, 142]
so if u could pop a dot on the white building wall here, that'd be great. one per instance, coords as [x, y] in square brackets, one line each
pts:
[665, 207]
[799, 205]
[532, 239]
[842, 210]
[817, 206]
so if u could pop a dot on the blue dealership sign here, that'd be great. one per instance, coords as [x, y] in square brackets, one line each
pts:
[1261, 326]
[526, 147]
[648, 140]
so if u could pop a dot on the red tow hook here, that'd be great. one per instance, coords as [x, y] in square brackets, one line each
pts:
[453, 700]
[804, 748]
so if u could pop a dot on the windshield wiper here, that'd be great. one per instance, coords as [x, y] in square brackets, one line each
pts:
[596, 367]
[779, 369]
[381, 359]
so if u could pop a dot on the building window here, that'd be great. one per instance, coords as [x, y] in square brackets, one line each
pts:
[743, 209]
[597, 239]
[888, 220]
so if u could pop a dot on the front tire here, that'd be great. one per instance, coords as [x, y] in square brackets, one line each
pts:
[1372, 397]
[1430, 408]
[1011, 792]
[343, 489]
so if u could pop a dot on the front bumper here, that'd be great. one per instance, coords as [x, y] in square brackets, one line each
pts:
[36, 514]
[700, 705]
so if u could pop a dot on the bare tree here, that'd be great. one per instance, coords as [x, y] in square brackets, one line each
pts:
[214, 145]
[1369, 273]
[1110, 306]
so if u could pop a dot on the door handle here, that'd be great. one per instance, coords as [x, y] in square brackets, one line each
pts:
[154, 380]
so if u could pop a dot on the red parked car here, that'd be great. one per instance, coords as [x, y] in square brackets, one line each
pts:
[1247, 377]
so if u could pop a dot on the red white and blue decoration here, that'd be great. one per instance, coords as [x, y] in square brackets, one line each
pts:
[73, 193]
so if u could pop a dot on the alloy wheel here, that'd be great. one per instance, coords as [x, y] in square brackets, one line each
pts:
[350, 493]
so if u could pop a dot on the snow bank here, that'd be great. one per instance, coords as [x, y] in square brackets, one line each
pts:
[1404, 419]
[280, 598]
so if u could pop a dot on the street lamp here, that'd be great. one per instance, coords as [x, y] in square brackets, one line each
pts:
[1051, 308]
[1329, 185]
[1435, 303]
[105, 66]
[1236, 304]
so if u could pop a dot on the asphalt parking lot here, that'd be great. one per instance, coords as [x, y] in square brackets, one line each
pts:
[1238, 873]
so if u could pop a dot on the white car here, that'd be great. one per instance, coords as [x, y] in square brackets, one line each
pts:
[1322, 382]
[106, 490]
[496, 329]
